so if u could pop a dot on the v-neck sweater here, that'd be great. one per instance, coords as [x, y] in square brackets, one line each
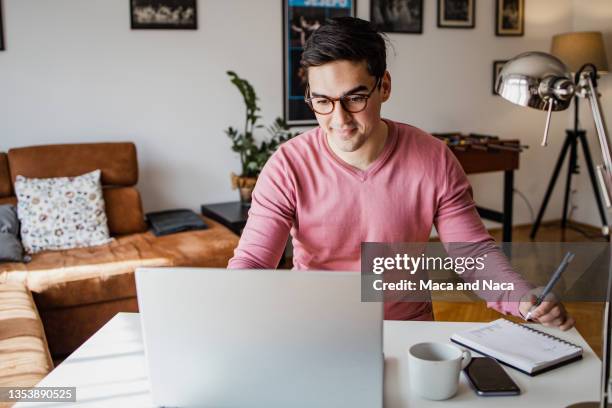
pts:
[330, 208]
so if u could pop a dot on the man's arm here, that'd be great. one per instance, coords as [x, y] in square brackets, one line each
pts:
[458, 221]
[270, 218]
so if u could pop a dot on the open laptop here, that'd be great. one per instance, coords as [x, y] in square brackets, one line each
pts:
[260, 338]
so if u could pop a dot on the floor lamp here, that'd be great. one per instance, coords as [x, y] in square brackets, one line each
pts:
[575, 50]
[541, 81]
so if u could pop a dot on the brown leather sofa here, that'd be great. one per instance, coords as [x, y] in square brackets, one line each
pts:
[78, 290]
[24, 355]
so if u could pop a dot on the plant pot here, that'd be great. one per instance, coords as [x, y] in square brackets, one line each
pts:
[246, 195]
[245, 186]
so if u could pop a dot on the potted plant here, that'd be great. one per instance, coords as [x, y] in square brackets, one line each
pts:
[253, 154]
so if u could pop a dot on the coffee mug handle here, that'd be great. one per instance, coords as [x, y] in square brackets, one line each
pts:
[466, 357]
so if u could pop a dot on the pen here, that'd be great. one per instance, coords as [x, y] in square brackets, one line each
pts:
[551, 283]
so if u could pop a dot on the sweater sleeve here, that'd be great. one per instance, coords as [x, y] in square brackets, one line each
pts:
[457, 221]
[270, 218]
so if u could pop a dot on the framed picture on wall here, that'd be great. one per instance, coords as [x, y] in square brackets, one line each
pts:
[164, 14]
[397, 16]
[300, 19]
[456, 13]
[497, 67]
[1, 29]
[509, 17]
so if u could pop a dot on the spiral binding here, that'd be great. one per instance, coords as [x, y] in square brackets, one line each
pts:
[560, 340]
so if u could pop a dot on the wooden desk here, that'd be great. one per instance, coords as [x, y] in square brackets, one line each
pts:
[109, 370]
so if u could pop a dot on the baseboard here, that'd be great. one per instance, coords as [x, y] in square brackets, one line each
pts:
[552, 223]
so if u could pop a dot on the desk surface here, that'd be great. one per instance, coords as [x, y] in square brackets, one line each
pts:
[109, 370]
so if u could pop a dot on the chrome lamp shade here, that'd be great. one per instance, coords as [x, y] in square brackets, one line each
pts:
[530, 79]
[537, 80]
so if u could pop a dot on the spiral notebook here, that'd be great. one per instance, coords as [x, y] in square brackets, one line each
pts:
[519, 346]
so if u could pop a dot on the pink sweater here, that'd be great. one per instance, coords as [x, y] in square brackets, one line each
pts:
[330, 207]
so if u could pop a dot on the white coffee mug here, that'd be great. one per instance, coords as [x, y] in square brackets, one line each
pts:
[433, 369]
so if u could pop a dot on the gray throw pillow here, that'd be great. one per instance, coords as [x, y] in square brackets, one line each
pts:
[10, 246]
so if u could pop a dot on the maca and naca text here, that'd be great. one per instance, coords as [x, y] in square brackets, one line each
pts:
[422, 284]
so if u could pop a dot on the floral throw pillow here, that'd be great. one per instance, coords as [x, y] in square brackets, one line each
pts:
[61, 212]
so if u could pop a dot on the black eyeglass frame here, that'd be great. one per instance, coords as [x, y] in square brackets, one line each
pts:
[341, 99]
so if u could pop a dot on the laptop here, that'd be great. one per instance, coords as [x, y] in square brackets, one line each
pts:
[260, 338]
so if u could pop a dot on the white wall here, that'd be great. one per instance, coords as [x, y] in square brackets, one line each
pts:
[73, 71]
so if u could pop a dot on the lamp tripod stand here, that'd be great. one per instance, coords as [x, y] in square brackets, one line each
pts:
[570, 146]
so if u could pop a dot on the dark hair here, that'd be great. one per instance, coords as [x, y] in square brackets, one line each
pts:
[350, 39]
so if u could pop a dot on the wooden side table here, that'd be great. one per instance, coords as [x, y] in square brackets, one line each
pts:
[232, 214]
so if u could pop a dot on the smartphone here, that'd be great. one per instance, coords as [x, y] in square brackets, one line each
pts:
[488, 378]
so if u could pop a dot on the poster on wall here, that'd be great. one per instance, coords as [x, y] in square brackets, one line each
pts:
[456, 13]
[300, 19]
[497, 67]
[164, 14]
[510, 18]
[1, 29]
[397, 16]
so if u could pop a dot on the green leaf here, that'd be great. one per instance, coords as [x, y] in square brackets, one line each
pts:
[254, 155]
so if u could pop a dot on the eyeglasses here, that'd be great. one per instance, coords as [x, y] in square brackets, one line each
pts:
[353, 103]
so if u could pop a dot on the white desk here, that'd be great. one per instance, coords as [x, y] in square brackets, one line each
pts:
[109, 371]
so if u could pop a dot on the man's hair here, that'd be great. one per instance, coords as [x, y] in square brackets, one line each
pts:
[350, 39]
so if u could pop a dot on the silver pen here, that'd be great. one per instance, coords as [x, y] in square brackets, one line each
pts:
[551, 283]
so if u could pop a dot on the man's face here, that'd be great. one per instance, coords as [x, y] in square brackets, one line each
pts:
[345, 130]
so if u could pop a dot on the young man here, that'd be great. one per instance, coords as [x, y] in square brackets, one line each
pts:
[360, 178]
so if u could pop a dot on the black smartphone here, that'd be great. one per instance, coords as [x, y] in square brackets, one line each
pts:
[488, 378]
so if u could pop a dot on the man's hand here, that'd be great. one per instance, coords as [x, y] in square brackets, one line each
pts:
[550, 312]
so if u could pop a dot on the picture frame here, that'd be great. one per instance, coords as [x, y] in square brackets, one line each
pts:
[456, 13]
[300, 19]
[509, 18]
[497, 67]
[397, 16]
[1, 28]
[164, 14]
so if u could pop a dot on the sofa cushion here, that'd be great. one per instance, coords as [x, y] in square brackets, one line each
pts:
[61, 212]
[90, 275]
[10, 245]
[116, 160]
[124, 210]
[6, 188]
[23, 347]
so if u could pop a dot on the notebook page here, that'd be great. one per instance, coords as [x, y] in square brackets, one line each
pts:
[516, 344]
